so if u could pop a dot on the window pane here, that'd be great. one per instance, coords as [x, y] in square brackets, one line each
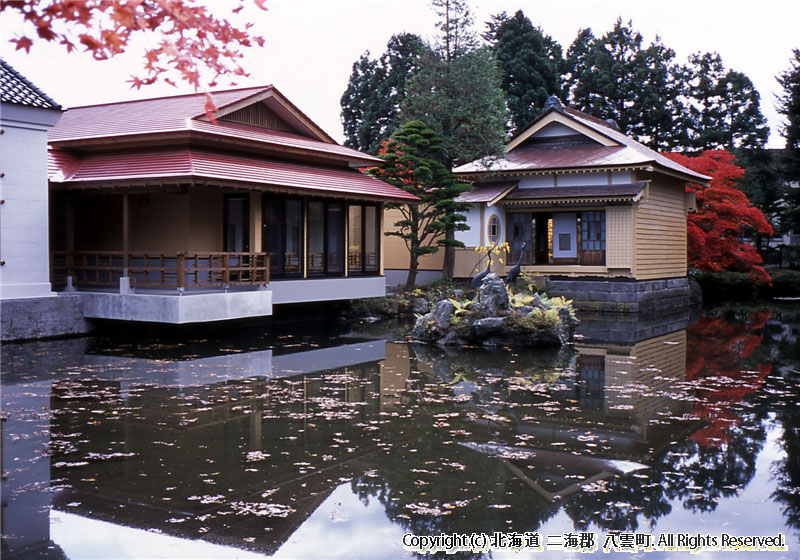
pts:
[370, 238]
[293, 225]
[316, 238]
[335, 238]
[354, 239]
[272, 241]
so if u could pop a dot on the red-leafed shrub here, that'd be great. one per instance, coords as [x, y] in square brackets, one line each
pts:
[724, 216]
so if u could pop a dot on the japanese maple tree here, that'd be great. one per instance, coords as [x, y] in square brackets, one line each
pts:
[191, 42]
[724, 215]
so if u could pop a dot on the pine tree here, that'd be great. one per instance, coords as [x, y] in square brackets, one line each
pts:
[530, 64]
[789, 107]
[412, 161]
[375, 90]
[723, 108]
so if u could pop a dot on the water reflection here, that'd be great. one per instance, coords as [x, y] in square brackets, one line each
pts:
[272, 445]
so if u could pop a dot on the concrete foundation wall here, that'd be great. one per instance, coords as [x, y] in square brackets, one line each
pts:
[173, 309]
[326, 289]
[623, 295]
[44, 317]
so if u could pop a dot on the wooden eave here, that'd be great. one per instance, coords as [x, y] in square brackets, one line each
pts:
[182, 184]
[477, 175]
[209, 140]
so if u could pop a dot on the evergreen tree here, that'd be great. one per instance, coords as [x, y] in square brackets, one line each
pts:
[375, 90]
[457, 92]
[530, 65]
[412, 161]
[602, 82]
[455, 25]
[614, 77]
[723, 109]
[789, 107]
[462, 101]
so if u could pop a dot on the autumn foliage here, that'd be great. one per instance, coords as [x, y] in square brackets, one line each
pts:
[724, 215]
[191, 42]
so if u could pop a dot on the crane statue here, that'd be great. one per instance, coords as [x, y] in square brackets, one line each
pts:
[511, 276]
[475, 283]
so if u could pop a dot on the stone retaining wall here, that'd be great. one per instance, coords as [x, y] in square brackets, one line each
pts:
[43, 317]
[622, 295]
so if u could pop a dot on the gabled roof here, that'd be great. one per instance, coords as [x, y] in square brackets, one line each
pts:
[602, 147]
[185, 165]
[16, 88]
[164, 119]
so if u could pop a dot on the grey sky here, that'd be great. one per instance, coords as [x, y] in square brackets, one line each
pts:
[311, 44]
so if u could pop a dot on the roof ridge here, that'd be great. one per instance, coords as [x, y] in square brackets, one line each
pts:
[576, 113]
[163, 97]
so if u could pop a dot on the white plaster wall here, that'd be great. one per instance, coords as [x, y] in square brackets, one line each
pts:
[582, 179]
[621, 178]
[565, 224]
[471, 237]
[25, 271]
[555, 130]
[536, 181]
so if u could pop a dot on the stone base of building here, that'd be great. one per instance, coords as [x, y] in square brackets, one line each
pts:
[42, 317]
[623, 295]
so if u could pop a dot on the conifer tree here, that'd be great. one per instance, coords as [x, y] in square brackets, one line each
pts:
[375, 90]
[530, 65]
[412, 161]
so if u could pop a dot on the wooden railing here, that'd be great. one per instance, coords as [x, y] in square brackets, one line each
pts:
[159, 270]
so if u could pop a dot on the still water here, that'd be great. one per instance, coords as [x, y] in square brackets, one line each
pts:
[311, 445]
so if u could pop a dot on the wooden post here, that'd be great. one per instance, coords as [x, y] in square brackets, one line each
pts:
[125, 235]
[179, 270]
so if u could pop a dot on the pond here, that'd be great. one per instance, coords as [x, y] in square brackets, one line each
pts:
[307, 444]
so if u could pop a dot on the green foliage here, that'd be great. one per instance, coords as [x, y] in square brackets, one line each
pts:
[412, 161]
[371, 102]
[530, 63]
[789, 107]
[726, 286]
[615, 77]
[722, 108]
[462, 101]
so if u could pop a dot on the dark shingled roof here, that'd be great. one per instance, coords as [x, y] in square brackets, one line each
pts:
[16, 88]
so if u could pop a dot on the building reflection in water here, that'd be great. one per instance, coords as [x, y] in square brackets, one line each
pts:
[240, 446]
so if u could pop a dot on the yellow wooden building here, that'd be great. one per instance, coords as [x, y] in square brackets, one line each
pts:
[576, 200]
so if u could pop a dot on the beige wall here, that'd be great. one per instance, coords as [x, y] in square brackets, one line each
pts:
[161, 226]
[396, 256]
[660, 231]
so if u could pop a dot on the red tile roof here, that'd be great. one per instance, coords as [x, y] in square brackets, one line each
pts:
[162, 114]
[146, 118]
[566, 155]
[185, 164]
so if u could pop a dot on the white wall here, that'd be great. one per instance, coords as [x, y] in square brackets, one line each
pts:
[25, 271]
[471, 237]
[583, 179]
[536, 181]
[565, 224]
